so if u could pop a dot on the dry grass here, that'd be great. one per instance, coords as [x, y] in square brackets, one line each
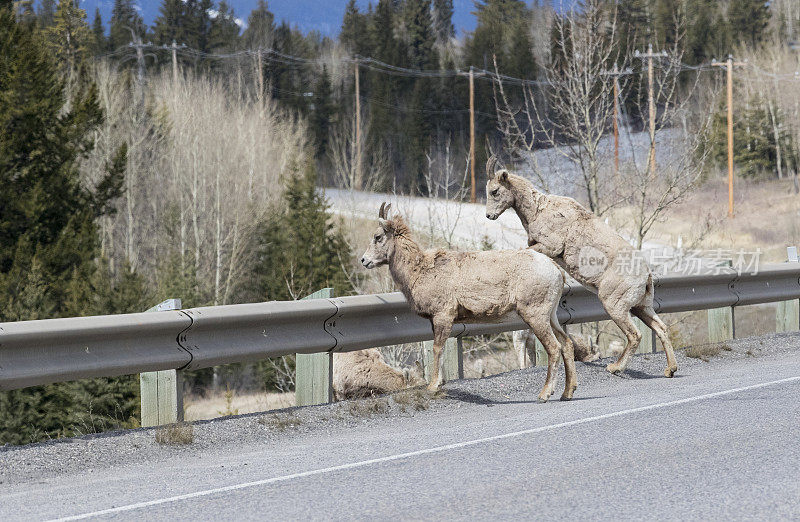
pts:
[767, 217]
[202, 408]
[368, 407]
[179, 434]
[416, 398]
[706, 351]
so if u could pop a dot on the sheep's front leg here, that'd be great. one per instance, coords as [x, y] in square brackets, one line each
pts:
[441, 331]
[551, 251]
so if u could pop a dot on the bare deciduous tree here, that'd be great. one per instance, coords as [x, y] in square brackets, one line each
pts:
[572, 112]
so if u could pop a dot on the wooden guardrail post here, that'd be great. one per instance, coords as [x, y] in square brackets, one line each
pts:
[648, 342]
[788, 314]
[452, 359]
[313, 382]
[721, 325]
[162, 391]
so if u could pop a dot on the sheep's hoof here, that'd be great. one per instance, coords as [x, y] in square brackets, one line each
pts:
[613, 368]
[566, 397]
[542, 399]
[670, 371]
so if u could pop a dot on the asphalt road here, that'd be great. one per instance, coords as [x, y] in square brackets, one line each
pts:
[718, 441]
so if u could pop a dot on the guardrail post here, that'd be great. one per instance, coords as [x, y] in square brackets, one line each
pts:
[313, 382]
[788, 313]
[452, 359]
[162, 391]
[648, 342]
[721, 326]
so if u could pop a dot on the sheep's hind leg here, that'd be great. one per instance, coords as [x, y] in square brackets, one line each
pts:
[567, 353]
[441, 331]
[625, 322]
[649, 317]
[543, 331]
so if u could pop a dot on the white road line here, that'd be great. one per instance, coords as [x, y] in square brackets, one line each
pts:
[436, 449]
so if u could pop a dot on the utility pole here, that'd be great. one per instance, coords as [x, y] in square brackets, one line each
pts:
[651, 101]
[260, 76]
[139, 46]
[472, 133]
[729, 65]
[616, 120]
[616, 73]
[358, 130]
[174, 63]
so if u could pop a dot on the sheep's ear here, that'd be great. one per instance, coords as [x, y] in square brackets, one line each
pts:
[382, 211]
[406, 375]
[502, 176]
[386, 225]
[419, 367]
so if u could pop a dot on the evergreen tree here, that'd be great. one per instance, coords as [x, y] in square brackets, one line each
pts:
[48, 240]
[46, 13]
[260, 30]
[99, 40]
[419, 33]
[324, 112]
[224, 29]
[293, 261]
[124, 19]
[633, 25]
[170, 25]
[443, 20]
[69, 39]
[748, 20]
[355, 30]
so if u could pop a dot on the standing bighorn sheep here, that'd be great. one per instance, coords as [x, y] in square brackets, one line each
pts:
[589, 250]
[447, 286]
[364, 373]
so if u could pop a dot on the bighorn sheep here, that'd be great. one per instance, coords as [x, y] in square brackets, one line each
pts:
[447, 286]
[364, 373]
[589, 250]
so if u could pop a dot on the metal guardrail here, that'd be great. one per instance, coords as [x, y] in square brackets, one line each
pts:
[54, 350]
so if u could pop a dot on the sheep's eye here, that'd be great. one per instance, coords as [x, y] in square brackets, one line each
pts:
[494, 193]
[377, 238]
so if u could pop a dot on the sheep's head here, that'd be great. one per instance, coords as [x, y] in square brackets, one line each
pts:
[381, 246]
[498, 193]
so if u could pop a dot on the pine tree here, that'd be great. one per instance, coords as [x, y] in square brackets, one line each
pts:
[443, 20]
[124, 20]
[48, 239]
[69, 40]
[99, 40]
[260, 30]
[46, 13]
[293, 261]
[170, 25]
[224, 30]
[355, 30]
[324, 112]
[633, 25]
[748, 20]
[703, 44]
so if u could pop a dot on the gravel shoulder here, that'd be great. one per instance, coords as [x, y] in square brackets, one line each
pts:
[271, 431]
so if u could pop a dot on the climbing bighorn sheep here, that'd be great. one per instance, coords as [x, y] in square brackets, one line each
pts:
[447, 286]
[589, 250]
[365, 373]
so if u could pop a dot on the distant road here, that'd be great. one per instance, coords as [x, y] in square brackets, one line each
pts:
[465, 222]
[719, 441]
